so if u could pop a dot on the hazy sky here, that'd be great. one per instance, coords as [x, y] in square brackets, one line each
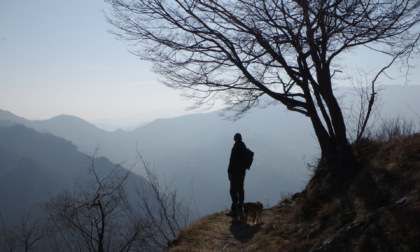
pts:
[56, 57]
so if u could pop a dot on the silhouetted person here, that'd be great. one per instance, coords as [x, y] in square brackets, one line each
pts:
[236, 174]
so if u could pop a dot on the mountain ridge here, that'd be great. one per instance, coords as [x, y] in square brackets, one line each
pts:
[193, 150]
[187, 150]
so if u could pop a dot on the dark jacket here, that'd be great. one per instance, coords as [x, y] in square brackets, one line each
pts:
[236, 159]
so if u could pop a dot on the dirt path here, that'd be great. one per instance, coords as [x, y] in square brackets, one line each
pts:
[217, 232]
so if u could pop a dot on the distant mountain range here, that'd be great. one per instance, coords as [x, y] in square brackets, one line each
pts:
[192, 152]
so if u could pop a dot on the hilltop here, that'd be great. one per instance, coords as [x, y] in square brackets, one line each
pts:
[377, 208]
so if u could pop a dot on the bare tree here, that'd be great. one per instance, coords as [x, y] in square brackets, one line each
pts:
[288, 50]
[103, 214]
[160, 210]
[364, 106]
[94, 217]
[28, 235]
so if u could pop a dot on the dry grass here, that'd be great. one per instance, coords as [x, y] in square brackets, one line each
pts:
[382, 198]
[218, 232]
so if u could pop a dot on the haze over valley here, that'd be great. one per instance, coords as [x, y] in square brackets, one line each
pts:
[190, 152]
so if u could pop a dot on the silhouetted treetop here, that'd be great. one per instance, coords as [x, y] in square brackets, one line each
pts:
[240, 50]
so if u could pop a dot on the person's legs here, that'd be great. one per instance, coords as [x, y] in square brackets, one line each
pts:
[241, 193]
[234, 195]
[237, 194]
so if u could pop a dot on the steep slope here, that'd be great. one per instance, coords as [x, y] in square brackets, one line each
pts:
[26, 182]
[377, 208]
[9, 118]
[35, 166]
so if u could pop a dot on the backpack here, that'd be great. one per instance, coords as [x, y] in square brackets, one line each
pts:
[248, 158]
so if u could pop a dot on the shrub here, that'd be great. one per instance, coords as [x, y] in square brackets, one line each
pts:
[393, 128]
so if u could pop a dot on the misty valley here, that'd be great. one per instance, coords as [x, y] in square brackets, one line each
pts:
[65, 169]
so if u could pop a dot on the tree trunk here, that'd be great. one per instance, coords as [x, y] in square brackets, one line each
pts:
[336, 152]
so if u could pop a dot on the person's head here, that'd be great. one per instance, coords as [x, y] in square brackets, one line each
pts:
[237, 137]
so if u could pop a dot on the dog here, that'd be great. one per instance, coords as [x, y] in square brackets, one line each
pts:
[254, 210]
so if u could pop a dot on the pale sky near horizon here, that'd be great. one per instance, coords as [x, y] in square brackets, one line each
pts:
[57, 57]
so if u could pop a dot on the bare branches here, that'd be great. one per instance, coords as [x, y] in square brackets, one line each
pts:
[390, 129]
[227, 47]
[93, 217]
[241, 50]
[160, 208]
[104, 212]
[28, 235]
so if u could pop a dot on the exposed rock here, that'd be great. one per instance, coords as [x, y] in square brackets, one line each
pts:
[341, 240]
[407, 199]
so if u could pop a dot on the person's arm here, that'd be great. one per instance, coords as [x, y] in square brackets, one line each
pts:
[231, 162]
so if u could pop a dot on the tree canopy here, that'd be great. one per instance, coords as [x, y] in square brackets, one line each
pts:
[288, 50]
